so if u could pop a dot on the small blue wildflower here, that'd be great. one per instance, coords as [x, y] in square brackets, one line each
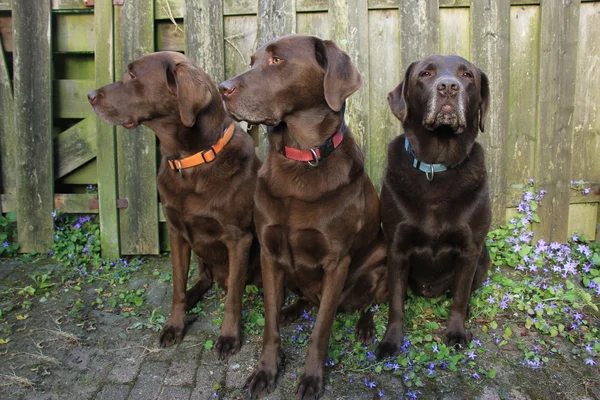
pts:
[5, 244]
[591, 362]
[434, 348]
[381, 394]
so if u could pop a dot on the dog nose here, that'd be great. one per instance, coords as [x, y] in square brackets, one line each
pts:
[227, 88]
[448, 87]
[93, 96]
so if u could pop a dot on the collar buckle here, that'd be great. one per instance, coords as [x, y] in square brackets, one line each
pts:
[315, 161]
[428, 174]
[205, 152]
[176, 165]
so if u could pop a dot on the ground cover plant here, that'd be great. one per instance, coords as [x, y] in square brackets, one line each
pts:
[537, 309]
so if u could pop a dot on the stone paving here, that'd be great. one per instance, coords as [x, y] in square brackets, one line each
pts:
[95, 354]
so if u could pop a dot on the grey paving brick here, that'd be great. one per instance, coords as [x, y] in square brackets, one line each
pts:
[112, 392]
[126, 367]
[175, 393]
[149, 381]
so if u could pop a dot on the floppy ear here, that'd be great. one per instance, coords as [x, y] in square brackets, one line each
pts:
[341, 76]
[398, 98]
[193, 94]
[485, 100]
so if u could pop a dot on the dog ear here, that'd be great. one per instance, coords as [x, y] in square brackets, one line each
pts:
[398, 98]
[485, 100]
[341, 76]
[193, 94]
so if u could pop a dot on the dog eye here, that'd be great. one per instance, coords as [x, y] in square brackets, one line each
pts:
[467, 74]
[276, 60]
[424, 74]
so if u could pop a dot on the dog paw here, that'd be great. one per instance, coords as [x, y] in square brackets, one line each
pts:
[263, 378]
[309, 387]
[457, 338]
[227, 346]
[365, 331]
[387, 349]
[172, 333]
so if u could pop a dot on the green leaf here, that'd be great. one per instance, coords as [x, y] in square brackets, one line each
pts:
[208, 345]
[493, 324]
[525, 250]
[138, 301]
[596, 259]
[492, 373]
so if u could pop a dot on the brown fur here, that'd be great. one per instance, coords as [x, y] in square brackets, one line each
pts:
[209, 207]
[436, 230]
[318, 227]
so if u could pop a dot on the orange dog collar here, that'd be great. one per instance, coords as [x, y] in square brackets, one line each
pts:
[205, 156]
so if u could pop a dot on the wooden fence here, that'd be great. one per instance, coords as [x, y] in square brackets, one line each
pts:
[542, 58]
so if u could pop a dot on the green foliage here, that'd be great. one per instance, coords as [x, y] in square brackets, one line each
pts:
[8, 235]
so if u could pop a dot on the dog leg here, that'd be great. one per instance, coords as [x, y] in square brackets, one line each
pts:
[466, 264]
[181, 252]
[365, 327]
[263, 376]
[310, 384]
[205, 281]
[293, 312]
[398, 280]
[228, 341]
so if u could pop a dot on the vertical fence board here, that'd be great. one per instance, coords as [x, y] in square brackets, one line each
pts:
[523, 93]
[106, 156]
[316, 24]
[204, 36]
[33, 123]
[349, 28]
[454, 32]
[136, 149]
[419, 30]
[490, 51]
[558, 50]
[385, 74]
[586, 120]
[8, 135]
[275, 18]
[240, 42]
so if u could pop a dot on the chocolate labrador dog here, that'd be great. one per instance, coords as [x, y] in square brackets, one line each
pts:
[316, 210]
[206, 181]
[434, 200]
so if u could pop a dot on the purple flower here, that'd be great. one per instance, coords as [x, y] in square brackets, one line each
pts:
[585, 250]
[412, 395]
[589, 361]
[587, 190]
[575, 238]
[471, 354]
[589, 348]
[476, 375]
[396, 367]
[370, 385]
[477, 342]
[434, 348]
[491, 300]
[381, 394]
[5, 244]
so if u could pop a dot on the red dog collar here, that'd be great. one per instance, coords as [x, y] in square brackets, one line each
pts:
[315, 154]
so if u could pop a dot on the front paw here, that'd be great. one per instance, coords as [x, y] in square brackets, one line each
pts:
[172, 332]
[227, 345]
[387, 349]
[310, 386]
[457, 338]
[365, 331]
[262, 378]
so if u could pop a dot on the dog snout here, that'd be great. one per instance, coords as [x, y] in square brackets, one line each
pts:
[448, 87]
[93, 96]
[227, 88]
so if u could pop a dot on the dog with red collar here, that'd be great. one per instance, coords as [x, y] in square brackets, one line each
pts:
[316, 210]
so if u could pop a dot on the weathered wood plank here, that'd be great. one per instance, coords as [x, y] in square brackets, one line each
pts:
[169, 9]
[522, 104]
[70, 97]
[105, 166]
[74, 33]
[136, 151]
[240, 43]
[170, 36]
[582, 220]
[586, 119]
[490, 51]
[419, 30]
[454, 32]
[313, 24]
[240, 7]
[67, 203]
[8, 134]
[275, 18]
[558, 50]
[5, 5]
[385, 74]
[6, 35]
[84, 175]
[70, 5]
[349, 27]
[33, 124]
[204, 36]
[74, 147]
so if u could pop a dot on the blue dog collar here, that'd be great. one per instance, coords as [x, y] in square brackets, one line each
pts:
[429, 169]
